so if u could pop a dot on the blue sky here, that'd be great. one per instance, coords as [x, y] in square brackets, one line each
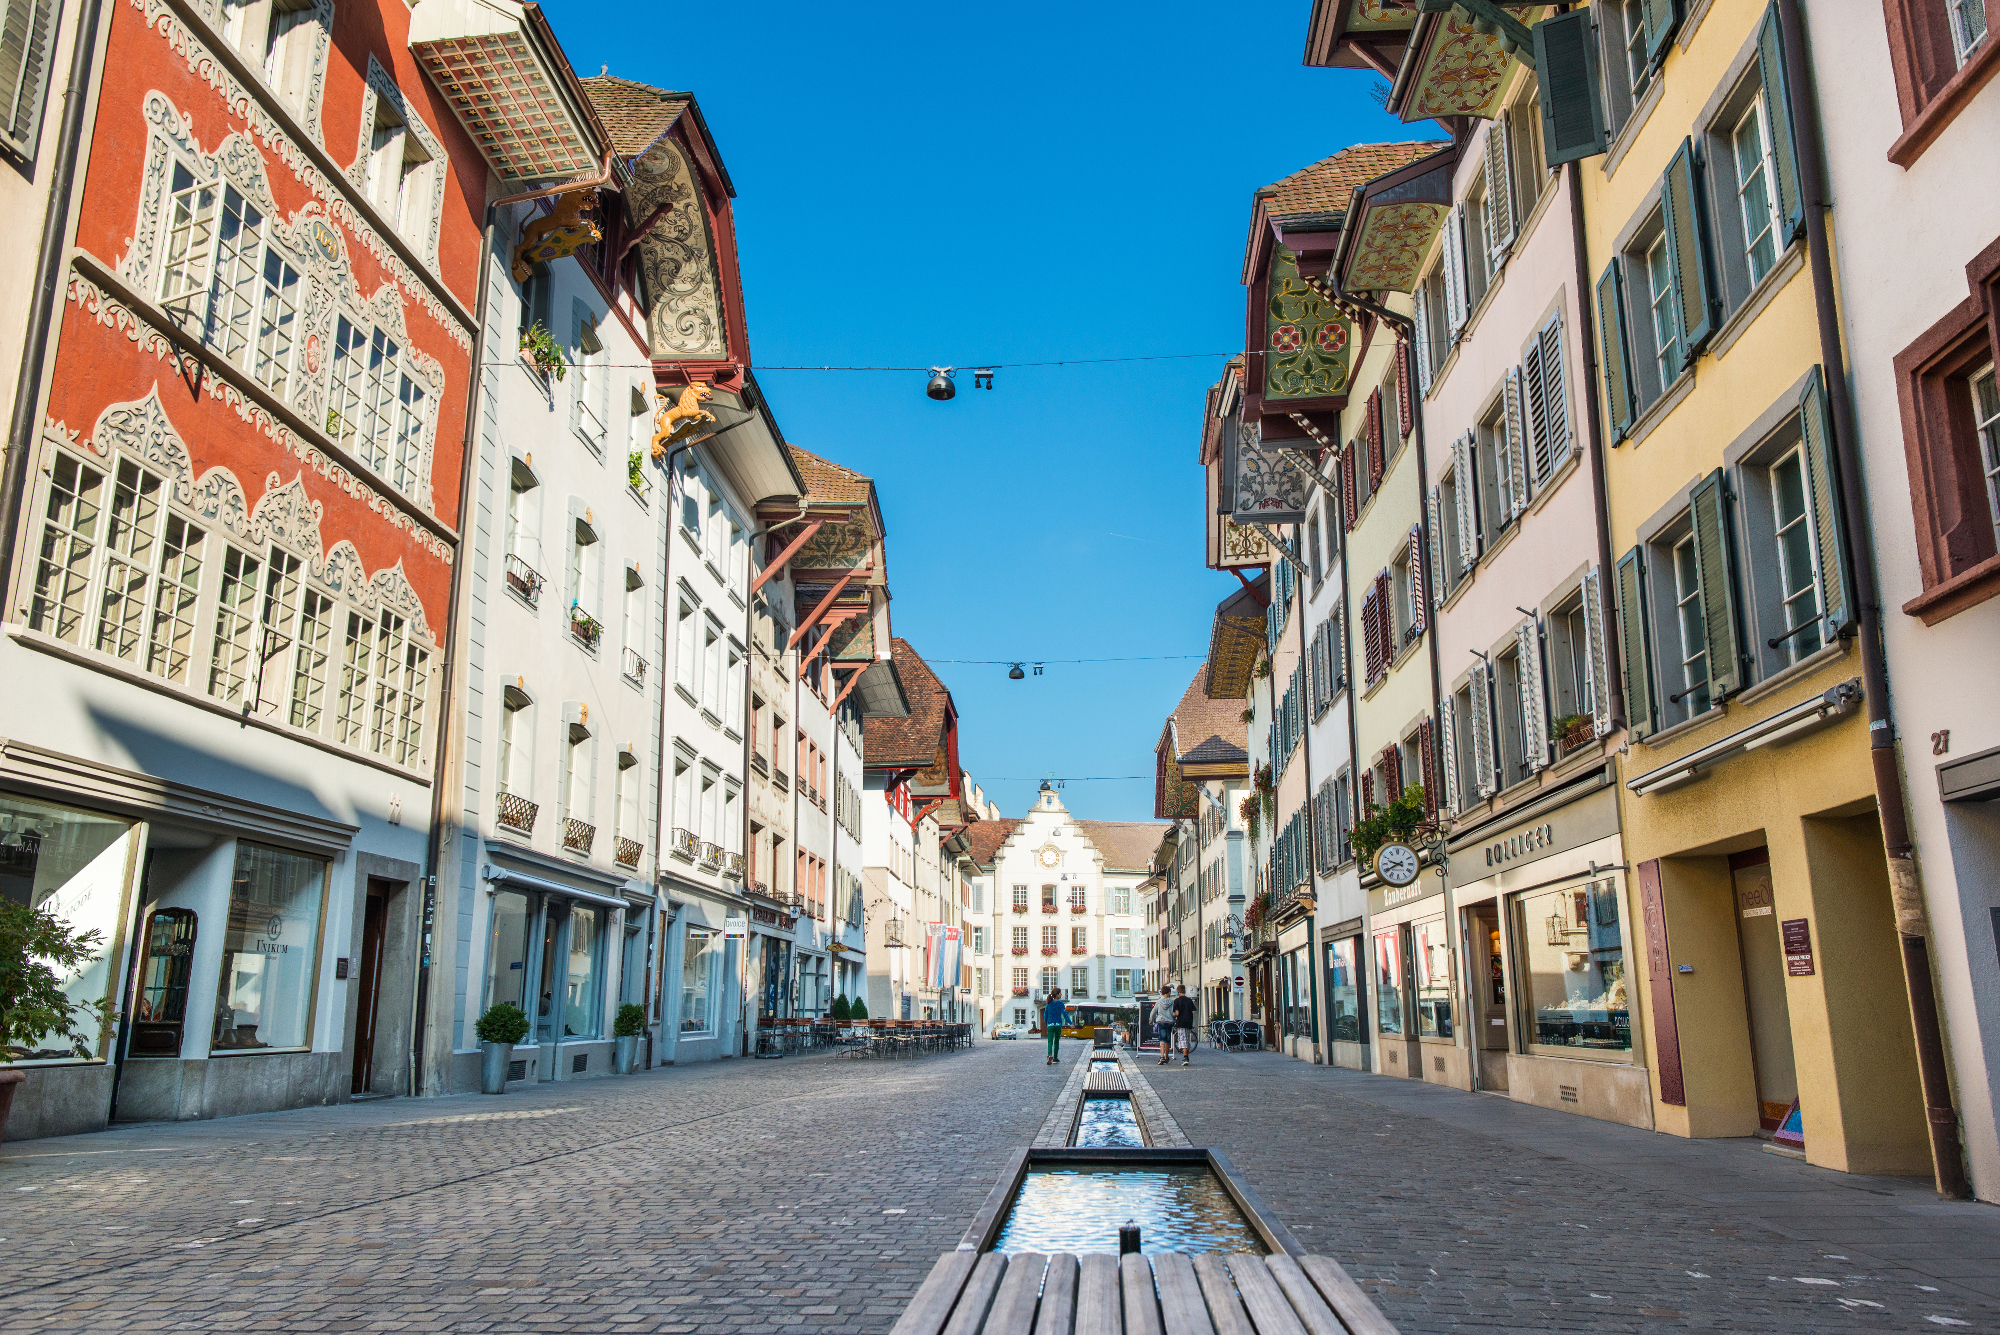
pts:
[928, 185]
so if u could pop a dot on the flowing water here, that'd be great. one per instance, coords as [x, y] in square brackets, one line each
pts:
[1107, 1122]
[1079, 1209]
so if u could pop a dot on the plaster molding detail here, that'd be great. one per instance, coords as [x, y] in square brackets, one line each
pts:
[237, 100]
[686, 319]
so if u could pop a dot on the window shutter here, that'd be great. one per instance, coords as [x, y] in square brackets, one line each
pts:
[1378, 463]
[1662, 18]
[1434, 512]
[1500, 223]
[1385, 618]
[1709, 515]
[1617, 361]
[1338, 648]
[1784, 143]
[1367, 791]
[1635, 647]
[1534, 727]
[1537, 414]
[1513, 464]
[1349, 493]
[1392, 773]
[1419, 604]
[1406, 386]
[1421, 324]
[1687, 248]
[1566, 76]
[1837, 607]
[1427, 764]
[1448, 753]
[25, 40]
[1482, 730]
[1371, 643]
[1555, 392]
[1457, 298]
[1595, 660]
[1466, 492]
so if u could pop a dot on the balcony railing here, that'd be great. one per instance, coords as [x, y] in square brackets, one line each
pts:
[732, 866]
[524, 579]
[577, 836]
[517, 813]
[626, 851]
[711, 855]
[585, 626]
[685, 845]
[635, 666]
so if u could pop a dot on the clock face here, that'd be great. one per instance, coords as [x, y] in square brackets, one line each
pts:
[1049, 855]
[1397, 864]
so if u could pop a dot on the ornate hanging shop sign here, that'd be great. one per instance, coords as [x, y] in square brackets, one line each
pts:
[1305, 338]
[1268, 490]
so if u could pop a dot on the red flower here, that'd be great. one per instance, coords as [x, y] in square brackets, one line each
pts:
[1286, 338]
[1330, 337]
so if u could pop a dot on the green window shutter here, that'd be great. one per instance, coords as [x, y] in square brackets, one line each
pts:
[1572, 98]
[1778, 106]
[1815, 428]
[1635, 647]
[1617, 359]
[1687, 248]
[1663, 17]
[27, 32]
[1709, 513]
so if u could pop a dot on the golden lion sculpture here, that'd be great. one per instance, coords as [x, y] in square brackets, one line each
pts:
[676, 420]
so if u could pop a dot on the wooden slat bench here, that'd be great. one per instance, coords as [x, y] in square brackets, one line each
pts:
[1162, 1293]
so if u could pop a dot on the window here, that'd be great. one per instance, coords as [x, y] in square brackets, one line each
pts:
[1049, 940]
[683, 810]
[1312, 550]
[710, 813]
[1573, 971]
[1690, 630]
[507, 951]
[1751, 147]
[1121, 982]
[522, 535]
[1121, 899]
[711, 670]
[1389, 981]
[585, 577]
[575, 779]
[398, 179]
[591, 386]
[1048, 899]
[636, 623]
[225, 284]
[517, 742]
[1968, 27]
[1077, 897]
[979, 941]
[1079, 982]
[1021, 897]
[1079, 939]
[1663, 313]
[699, 958]
[270, 951]
[1021, 979]
[1432, 957]
[687, 673]
[1986, 421]
[24, 74]
[1050, 979]
[582, 976]
[1121, 941]
[979, 983]
[978, 890]
[377, 410]
[288, 50]
[69, 863]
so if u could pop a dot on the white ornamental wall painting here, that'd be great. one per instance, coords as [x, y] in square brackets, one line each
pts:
[308, 239]
[677, 258]
[285, 515]
[1269, 489]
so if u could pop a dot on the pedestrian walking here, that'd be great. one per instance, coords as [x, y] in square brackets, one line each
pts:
[1054, 1016]
[1163, 1030]
[1184, 1024]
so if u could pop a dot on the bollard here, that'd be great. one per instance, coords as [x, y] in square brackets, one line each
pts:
[1128, 1238]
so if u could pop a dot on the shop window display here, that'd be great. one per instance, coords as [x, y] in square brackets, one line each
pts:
[698, 983]
[1343, 990]
[1573, 953]
[1432, 961]
[582, 1008]
[270, 951]
[1389, 981]
[72, 864]
[507, 950]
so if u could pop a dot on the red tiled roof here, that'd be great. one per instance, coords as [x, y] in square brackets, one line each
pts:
[1327, 185]
[634, 114]
[1126, 845]
[1209, 731]
[827, 483]
[912, 742]
[983, 838]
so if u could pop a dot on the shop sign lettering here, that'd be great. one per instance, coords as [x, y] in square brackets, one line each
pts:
[1798, 946]
[1532, 839]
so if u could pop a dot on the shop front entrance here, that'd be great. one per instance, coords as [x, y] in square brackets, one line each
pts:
[1486, 990]
[1760, 944]
[368, 984]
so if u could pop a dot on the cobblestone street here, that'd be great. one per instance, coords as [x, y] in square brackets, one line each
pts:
[748, 1196]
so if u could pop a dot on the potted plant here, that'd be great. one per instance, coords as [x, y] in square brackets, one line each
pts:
[840, 1014]
[499, 1029]
[635, 470]
[36, 950]
[539, 346]
[626, 1029]
[858, 1011]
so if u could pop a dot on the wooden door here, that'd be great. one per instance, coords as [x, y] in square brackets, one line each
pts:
[369, 984]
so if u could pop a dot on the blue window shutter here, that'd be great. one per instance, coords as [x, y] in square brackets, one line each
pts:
[1572, 98]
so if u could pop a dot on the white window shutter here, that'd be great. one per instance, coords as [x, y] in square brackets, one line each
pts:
[27, 33]
[1596, 662]
[1466, 488]
[1482, 730]
[1420, 617]
[1536, 414]
[1448, 749]
[1555, 393]
[1501, 223]
[1534, 728]
[1514, 467]
[1454, 271]
[1437, 570]
[1422, 336]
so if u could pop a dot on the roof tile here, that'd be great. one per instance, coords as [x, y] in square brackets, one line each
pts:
[1327, 185]
[912, 742]
[634, 114]
[1207, 731]
[1126, 845]
[827, 483]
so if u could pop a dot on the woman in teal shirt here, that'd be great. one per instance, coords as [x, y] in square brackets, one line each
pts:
[1054, 1016]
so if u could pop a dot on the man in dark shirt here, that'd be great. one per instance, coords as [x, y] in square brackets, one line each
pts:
[1184, 1024]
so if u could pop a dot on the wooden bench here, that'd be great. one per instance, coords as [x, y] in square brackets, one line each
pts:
[1163, 1293]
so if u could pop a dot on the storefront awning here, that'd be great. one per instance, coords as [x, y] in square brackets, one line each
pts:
[496, 877]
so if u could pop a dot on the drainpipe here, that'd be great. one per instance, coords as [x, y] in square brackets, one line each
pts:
[1905, 889]
[1312, 863]
[1353, 733]
[49, 268]
[1600, 500]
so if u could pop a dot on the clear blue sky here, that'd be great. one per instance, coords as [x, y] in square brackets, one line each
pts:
[960, 184]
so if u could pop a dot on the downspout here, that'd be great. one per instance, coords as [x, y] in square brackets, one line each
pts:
[1599, 495]
[49, 268]
[1312, 863]
[447, 676]
[1905, 889]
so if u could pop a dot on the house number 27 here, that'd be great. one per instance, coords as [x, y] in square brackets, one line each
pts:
[1941, 742]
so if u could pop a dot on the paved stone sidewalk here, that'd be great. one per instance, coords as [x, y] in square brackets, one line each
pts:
[742, 1196]
[1470, 1212]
